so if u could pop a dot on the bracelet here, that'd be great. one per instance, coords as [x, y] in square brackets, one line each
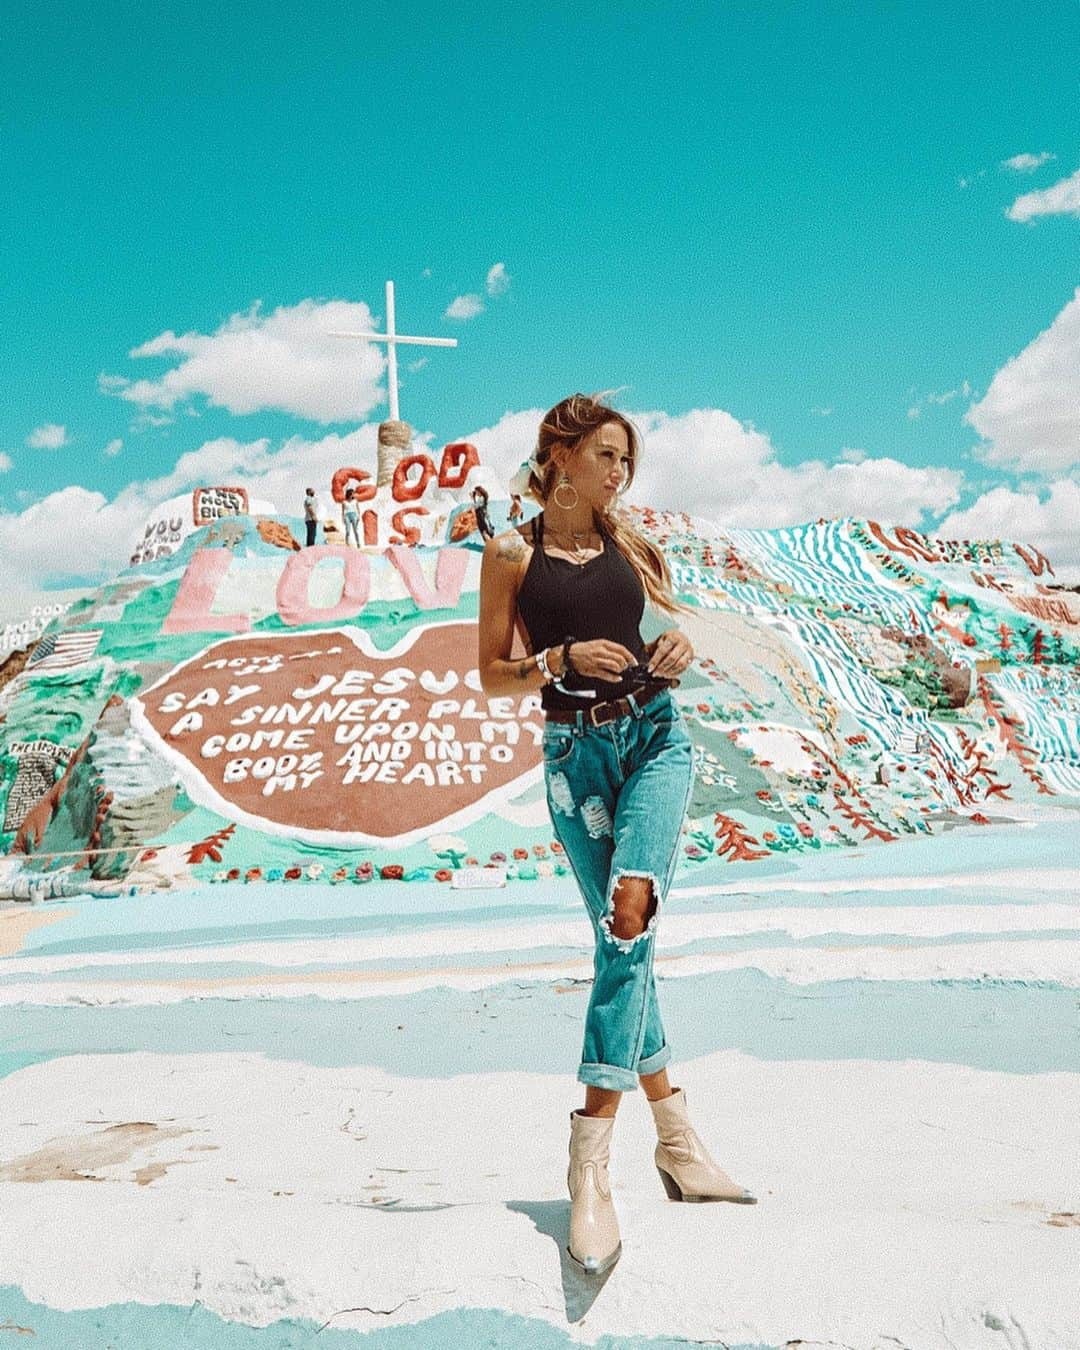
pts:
[542, 665]
[567, 664]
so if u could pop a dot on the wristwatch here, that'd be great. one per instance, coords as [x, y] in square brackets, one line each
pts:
[567, 664]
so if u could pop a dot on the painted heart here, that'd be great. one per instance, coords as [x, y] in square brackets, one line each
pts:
[322, 737]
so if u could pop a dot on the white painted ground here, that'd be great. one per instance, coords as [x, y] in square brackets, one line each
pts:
[908, 1204]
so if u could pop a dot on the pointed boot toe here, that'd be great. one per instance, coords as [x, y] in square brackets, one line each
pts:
[686, 1168]
[594, 1244]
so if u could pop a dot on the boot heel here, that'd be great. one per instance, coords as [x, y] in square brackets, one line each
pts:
[670, 1185]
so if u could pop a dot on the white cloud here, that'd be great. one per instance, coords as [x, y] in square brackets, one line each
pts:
[705, 461]
[464, 307]
[1060, 199]
[48, 437]
[114, 447]
[1049, 522]
[75, 532]
[5, 462]
[285, 360]
[963, 389]
[1027, 163]
[1030, 414]
[709, 462]
[498, 280]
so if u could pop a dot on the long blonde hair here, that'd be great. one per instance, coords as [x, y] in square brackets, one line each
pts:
[561, 432]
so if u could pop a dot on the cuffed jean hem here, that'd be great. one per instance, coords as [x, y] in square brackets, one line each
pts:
[608, 1076]
[654, 1063]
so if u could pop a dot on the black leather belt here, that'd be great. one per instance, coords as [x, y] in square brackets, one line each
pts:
[599, 714]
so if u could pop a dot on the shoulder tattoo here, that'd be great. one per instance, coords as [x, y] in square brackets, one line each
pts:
[510, 547]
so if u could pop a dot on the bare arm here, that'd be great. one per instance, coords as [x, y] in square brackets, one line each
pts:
[500, 578]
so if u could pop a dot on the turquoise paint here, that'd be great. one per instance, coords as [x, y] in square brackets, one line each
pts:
[289, 927]
[527, 1027]
[139, 1326]
[236, 909]
[506, 959]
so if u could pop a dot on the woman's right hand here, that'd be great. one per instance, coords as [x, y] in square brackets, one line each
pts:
[601, 659]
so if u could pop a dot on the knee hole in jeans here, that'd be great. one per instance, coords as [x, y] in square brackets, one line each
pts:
[632, 906]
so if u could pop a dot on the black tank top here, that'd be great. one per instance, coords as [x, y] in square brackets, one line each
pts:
[601, 598]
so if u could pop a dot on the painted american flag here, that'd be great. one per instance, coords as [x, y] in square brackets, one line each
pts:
[62, 651]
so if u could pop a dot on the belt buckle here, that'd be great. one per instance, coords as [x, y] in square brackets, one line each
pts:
[611, 717]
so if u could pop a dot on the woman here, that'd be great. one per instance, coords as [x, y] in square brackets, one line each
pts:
[480, 506]
[350, 512]
[618, 767]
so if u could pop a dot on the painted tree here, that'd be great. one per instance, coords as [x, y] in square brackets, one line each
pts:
[736, 840]
[210, 847]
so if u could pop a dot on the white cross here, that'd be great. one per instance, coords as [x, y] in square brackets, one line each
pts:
[392, 340]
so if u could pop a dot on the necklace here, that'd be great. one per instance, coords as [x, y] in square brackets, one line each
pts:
[575, 549]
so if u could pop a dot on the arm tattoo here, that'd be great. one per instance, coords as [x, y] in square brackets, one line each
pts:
[510, 547]
[523, 669]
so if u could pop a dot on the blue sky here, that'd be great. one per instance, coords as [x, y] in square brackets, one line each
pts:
[792, 215]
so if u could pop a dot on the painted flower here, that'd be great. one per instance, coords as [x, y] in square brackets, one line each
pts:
[556, 847]
[315, 871]
[253, 874]
[392, 872]
[472, 862]
[693, 851]
[443, 874]
[293, 873]
[365, 870]
[805, 830]
[447, 843]
[521, 854]
[539, 850]
[769, 837]
[219, 876]
[498, 857]
[339, 875]
[233, 874]
[763, 794]
[274, 874]
[546, 868]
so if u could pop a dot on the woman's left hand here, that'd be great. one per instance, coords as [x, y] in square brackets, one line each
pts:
[670, 654]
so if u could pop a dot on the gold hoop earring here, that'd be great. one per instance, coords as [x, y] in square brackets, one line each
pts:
[564, 482]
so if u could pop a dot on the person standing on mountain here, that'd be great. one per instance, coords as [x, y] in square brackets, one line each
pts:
[480, 506]
[311, 515]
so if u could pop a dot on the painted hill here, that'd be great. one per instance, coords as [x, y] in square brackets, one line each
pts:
[242, 709]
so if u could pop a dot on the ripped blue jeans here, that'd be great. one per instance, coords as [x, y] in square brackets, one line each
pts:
[617, 795]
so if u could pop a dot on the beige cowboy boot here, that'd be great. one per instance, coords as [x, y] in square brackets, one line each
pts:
[684, 1164]
[594, 1229]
